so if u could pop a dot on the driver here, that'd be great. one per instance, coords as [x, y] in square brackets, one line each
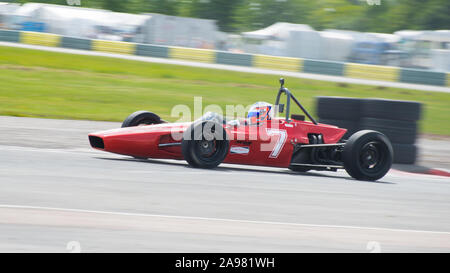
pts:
[259, 112]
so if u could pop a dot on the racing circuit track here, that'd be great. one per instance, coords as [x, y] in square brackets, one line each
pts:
[56, 190]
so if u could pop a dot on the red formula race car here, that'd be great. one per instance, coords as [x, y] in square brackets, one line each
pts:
[285, 142]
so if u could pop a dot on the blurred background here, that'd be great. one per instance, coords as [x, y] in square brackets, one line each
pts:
[404, 33]
[72, 67]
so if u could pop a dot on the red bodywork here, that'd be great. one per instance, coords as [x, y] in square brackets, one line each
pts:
[247, 145]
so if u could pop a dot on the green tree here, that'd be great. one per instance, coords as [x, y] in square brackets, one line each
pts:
[245, 15]
[338, 14]
[220, 10]
[255, 14]
[169, 7]
[115, 5]
[419, 14]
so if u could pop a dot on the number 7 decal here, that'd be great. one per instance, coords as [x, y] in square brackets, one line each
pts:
[280, 142]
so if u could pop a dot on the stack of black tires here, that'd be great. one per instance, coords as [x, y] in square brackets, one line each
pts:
[396, 119]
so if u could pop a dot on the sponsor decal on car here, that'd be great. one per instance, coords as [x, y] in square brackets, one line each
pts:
[239, 150]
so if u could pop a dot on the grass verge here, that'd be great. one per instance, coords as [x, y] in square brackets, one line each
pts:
[57, 85]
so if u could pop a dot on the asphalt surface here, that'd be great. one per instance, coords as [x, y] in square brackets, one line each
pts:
[58, 195]
[238, 68]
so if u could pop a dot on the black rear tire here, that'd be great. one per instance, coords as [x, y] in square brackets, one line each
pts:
[205, 144]
[141, 118]
[367, 155]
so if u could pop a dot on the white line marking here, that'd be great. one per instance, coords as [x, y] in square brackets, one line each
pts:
[219, 219]
[51, 150]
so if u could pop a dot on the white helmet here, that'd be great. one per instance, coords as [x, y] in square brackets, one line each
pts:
[260, 112]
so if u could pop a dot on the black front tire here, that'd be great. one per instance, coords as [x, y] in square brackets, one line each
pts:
[367, 155]
[141, 118]
[205, 144]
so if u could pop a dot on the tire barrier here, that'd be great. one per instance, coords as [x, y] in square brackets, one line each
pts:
[339, 108]
[352, 126]
[76, 43]
[404, 153]
[395, 119]
[278, 63]
[9, 36]
[233, 58]
[352, 70]
[391, 109]
[397, 131]
[372, 72]
[38, 38]
[323, 67]
[422, 77]
[113, 47]
[152, 51]
[192, 54]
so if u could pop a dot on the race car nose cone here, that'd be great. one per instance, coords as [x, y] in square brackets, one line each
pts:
[96, 142]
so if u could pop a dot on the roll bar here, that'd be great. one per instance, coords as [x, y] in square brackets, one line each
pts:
[290, 96]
